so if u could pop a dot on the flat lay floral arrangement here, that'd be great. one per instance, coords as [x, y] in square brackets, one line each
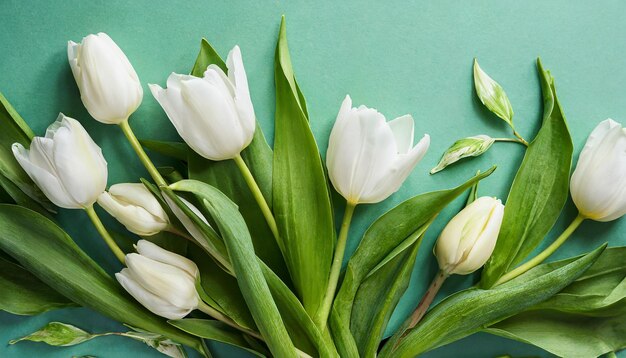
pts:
[238, 242]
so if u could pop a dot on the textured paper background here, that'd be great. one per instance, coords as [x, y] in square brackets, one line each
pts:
[397, 56]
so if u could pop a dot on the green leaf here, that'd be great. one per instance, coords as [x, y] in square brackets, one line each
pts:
[215, 331]
[539, 190]
[299, 188]
[45, 250]
[468, 311]
[464, 148]
[399, 226]
[245, 265]
[174, 150]
[24, 294]
[377, 297]
[63, 334]
[13, 179]
[225, 176]
[586, 319]
[492, 95]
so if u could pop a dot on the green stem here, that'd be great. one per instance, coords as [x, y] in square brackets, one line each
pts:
[105, 234]
[521, 139]
[335, 269]
[514, 140]
[260, 199]
[154, 173]
[545, 253]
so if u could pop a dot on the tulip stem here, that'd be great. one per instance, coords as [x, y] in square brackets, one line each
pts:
[260, 199]
[521, 139]
[154, 173]
[543, 254]
[335, 269]
[422, 307]
[514, 140]
[105, 234]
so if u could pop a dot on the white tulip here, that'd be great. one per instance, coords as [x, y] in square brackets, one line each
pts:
[108, 83]
[213, 114]
[66, 164]
[369, 158]
[467, 242]
[598, 184]
[161, 281]
[135, 207]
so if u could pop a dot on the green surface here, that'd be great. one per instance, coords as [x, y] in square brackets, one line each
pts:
[397, 57]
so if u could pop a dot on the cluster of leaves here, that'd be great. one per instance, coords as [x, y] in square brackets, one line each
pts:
[277, 286]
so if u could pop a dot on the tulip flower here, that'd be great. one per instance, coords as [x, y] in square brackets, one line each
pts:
[135, 207]
[598, 184]
[369, 158]
[598, 187]
[213, 114]
[108, 84]
[466, 243]
[162, 281]
[65, 164]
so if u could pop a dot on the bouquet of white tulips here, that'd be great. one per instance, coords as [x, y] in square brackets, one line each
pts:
[238, 242]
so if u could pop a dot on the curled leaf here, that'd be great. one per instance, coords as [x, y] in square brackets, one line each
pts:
[463, 148]
[492, 95]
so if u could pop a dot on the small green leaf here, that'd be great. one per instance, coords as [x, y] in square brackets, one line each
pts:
[464, 148]
[492, 95]
[24, 294]
[469, 311]
[299, 189]
[539, 190]
[57, 334]
[174, 150]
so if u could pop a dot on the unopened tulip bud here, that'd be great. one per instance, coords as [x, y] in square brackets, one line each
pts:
[213, 114]
[108, 83]
[369, 158]
[65, 164]
[598, 184]
[135, 207]
[467, 242]
[162, 281]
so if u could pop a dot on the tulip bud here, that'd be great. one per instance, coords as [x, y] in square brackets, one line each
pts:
[466, 243]
[213, 114]
[108, 83]
[66, 164]
[598, 184]
[492, 95]
[463, 148]
[369, 158]
[135, 207]
[161, 281]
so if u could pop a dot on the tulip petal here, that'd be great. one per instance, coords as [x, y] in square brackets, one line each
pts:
[483, 246]
[135, 218]
[154, 252]
[149, 300]
[41, 175]
[79, 162]
[172, 284]
[137, 194]
[402, 128]
[238, 77]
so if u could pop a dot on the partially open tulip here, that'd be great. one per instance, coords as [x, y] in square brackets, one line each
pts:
[213, 114]
[135, 207]
[66, 164]
[162, 281]
[467, 242]
[369, 158]
[598, 184]
[108, 83]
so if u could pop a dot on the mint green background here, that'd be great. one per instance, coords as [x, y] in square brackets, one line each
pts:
[396, 56]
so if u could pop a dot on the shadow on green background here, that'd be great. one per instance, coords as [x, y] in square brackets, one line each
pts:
[395, 56]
